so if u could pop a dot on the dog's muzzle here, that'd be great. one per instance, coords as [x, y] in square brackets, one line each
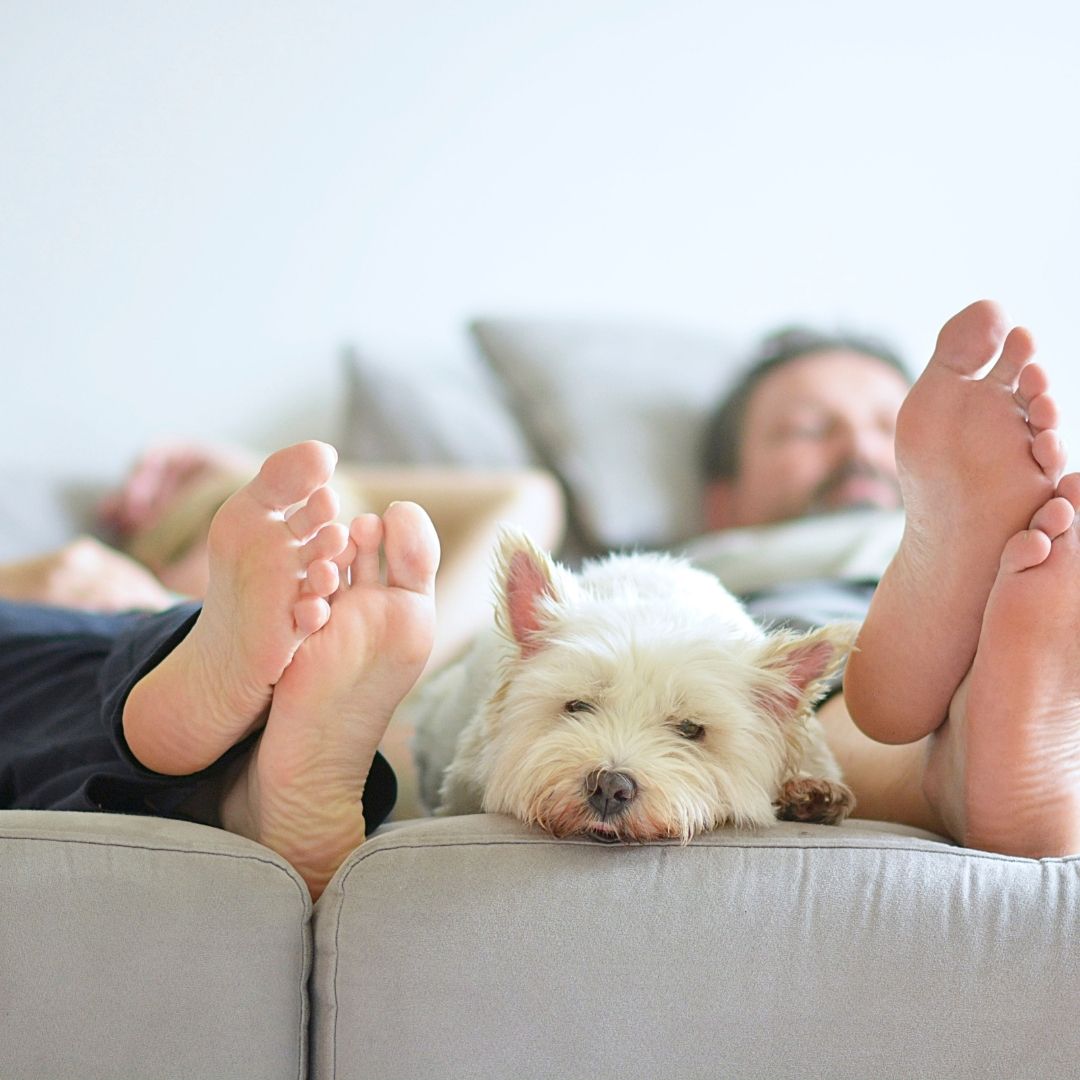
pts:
[610, 794]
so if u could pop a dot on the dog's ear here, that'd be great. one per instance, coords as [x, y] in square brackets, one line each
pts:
[528, 583]
[798, 667]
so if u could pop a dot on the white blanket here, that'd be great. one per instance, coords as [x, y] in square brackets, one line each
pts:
[852, 546]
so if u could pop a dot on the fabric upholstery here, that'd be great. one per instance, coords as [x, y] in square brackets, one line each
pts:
[616, 410]
[423, 410]
[473, 947]
[142, 948]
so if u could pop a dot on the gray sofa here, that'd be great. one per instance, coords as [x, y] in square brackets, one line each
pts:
[472, 947]
[138, 949]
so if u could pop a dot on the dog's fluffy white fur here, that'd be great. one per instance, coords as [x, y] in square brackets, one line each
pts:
[633, 701]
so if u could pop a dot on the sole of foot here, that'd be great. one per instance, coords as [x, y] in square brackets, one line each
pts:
[271, 549]
[977, 455]
[1004, 772]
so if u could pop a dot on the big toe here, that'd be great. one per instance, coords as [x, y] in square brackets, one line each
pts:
[971, 338]
[289, 476]
[411, 546]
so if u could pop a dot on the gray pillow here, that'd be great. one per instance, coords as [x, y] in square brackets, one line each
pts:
[616, 410]
[416, 409]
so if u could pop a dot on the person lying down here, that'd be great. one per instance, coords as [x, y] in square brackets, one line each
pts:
[261, 710]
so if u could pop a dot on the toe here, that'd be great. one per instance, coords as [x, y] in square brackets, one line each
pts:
[972, 338]
[323, 578]
[412, 548]
[310, 516]
[1069, 488]
[344, 559]
[1053, 517]
[1043, 414]
[1049, 451]
[311, 613]
[325, 544]
[1025, 550]
[365, 535]
[1016, 353]
[1033, 382]
[291, 475]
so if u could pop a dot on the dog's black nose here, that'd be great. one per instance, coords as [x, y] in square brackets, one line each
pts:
[610, 793]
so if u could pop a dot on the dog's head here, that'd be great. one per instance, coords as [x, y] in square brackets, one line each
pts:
[638, 701]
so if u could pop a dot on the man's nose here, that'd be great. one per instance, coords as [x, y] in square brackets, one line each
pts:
[865, 443]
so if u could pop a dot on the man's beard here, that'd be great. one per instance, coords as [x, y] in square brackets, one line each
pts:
[820, 498]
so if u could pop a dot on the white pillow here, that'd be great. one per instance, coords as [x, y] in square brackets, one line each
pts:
[415, 409]
[616, 410]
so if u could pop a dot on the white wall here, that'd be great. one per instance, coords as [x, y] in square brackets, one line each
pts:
[200, 201]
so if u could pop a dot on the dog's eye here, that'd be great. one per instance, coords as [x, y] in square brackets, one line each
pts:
[578, 706]
[689, 730]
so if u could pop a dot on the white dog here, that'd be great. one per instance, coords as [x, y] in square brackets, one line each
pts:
[635, 701]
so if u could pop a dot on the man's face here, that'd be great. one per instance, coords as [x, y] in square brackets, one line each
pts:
[817, 438]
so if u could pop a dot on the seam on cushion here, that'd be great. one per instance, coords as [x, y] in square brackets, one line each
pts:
[304, 896]
[150, 847]
[946, 850]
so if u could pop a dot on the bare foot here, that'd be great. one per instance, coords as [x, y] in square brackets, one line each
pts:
[271, 549]
[976, 458]
[86, 575]
[1004, 771]
[299, 792]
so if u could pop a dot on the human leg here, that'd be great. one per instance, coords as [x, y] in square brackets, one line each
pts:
[976, 458]
[299, 791]
[175, 694]
[64, 675]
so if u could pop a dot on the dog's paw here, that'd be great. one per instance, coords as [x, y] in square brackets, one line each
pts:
[822, 802]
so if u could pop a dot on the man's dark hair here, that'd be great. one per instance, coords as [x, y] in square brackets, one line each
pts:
[724, 428]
